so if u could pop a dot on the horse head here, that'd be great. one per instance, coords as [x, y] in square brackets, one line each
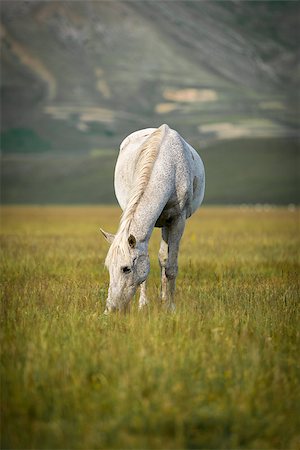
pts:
[128, 264]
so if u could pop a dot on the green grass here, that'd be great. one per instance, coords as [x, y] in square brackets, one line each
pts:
[221, 372]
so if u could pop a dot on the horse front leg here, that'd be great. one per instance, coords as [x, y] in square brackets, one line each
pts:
[168, 258]
[143, 301]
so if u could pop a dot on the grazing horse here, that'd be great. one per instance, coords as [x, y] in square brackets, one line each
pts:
[159, 182]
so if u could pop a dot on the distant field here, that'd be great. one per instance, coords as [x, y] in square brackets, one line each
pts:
[237, 171]
[221, 372]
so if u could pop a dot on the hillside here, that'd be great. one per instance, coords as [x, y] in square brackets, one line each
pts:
[80, 76]
[240, 171]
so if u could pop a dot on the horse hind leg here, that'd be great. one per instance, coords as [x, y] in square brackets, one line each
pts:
[163, 261]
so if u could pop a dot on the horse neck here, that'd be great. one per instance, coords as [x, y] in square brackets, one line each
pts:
[149, 208]
[139, 215]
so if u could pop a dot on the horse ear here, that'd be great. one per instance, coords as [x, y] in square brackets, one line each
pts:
[108, 236]
[132, 241]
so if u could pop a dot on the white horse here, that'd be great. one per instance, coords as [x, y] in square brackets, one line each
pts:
[159, 182]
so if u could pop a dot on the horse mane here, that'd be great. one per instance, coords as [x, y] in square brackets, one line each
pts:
[147, 154]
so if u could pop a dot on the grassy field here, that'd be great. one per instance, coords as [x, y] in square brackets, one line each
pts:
[221, 372]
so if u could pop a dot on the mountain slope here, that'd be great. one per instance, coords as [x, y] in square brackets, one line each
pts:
[77, 77]
[83, 74]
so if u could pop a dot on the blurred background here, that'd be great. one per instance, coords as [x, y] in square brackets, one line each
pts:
[78, 77]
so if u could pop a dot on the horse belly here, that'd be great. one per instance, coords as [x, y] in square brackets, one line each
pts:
[169, 214]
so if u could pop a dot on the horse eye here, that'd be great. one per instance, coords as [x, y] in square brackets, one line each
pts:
[126, 269]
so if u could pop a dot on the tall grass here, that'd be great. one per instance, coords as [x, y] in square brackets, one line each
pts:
[221, 372]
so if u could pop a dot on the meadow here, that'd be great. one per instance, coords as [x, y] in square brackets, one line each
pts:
[221, 372]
